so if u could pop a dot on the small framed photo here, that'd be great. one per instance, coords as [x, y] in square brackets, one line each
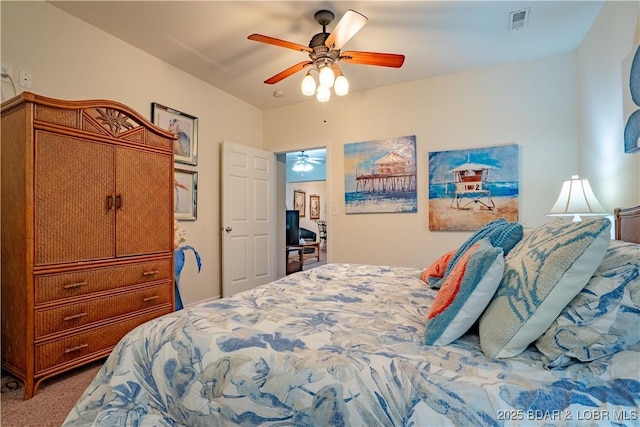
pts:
[185, 195]
[184, 126]
[314, 206]
[299, 200]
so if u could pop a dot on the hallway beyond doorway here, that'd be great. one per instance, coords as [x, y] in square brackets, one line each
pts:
[308, 265]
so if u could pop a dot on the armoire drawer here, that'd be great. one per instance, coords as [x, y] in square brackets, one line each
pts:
[51, 287]
[72, 315]
[84, 344]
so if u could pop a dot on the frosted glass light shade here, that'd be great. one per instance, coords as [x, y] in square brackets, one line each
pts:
[341, 85]
[302, 167]
[576, 198]
[326, 76]
[324, 93]
[308, 85]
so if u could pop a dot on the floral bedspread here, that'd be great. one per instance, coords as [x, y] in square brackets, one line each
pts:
[340, 345]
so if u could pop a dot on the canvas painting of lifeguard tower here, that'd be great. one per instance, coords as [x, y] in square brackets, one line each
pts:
[380, 176]
[469, 188]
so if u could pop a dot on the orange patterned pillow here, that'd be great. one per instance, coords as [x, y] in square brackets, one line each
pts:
[436, 270]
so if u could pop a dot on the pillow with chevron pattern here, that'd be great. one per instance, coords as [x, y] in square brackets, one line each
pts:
[542, 274]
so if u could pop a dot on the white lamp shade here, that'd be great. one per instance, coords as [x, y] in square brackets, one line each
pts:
[341, 85]
[308, 85]
[326, 76]
[576, 198]
[324, 93]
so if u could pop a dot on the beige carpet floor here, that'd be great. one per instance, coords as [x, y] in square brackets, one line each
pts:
[50, 407]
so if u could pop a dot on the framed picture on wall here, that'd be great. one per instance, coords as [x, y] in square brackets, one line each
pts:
[299, 201]
[314, 206]
[184, 126]
[185, 195]
[380, 176]
[469, 188]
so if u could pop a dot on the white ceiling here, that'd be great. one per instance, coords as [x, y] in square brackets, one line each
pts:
[208, 39]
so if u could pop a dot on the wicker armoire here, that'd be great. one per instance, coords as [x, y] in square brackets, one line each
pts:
[87, 231]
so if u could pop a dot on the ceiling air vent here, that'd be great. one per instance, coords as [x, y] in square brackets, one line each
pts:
[519, 19]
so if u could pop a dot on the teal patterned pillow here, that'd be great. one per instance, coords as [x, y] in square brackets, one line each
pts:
[464, 294]
[543, 272]
[500, 233]
[604, 317]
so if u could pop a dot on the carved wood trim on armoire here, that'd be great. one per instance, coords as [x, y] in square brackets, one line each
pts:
[87, 231]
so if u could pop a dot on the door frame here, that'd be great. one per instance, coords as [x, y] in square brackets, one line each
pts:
[281, 203]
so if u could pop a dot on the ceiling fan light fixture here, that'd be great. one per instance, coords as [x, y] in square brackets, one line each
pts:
[308, 85]
[324, 93]
[325, 51]
[302, 167]
[326, 76]
[341, 85]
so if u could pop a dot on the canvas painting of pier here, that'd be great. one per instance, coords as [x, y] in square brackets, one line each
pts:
[469, 188]
[380, 176]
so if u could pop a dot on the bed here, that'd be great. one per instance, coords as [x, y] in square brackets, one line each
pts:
[345, 344]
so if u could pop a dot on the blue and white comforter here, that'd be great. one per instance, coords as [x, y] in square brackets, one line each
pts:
[340, 345]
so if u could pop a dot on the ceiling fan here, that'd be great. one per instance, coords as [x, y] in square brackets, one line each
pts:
[325, 52]
[304, 162]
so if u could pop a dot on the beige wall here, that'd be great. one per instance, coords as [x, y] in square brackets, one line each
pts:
[614, 175]
[535, 104]
[70, 59]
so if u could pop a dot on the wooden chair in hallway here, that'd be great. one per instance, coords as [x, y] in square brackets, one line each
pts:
[322, 234]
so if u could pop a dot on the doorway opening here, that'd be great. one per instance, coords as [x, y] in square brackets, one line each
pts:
[302, 187]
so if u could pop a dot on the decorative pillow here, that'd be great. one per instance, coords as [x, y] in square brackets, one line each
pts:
[501, 233]
[465, 293]
[432, 274]
[604, 317]
[542, 274]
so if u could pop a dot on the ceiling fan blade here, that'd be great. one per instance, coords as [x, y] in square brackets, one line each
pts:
[278, 42]
[315, 161]
[346, 28]
[286, 73]
[336, 69]
[373, 58]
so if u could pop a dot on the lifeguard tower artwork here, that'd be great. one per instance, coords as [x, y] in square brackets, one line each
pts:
[471, 181]
[380, 176]
[469, 188]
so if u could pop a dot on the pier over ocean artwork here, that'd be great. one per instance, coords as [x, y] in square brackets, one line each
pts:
[380, 176]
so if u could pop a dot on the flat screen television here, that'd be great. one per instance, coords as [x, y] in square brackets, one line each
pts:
[293, 228]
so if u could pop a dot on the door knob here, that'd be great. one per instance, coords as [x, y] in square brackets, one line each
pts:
[228, 229]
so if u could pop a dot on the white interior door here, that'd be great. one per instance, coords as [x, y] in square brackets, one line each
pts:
[248, 218]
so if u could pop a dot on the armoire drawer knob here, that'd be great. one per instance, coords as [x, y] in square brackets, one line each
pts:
[76, 348]
[74, 285]
[75, 316]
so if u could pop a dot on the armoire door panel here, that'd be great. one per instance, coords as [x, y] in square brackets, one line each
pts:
[73, 180]
[143, 200]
